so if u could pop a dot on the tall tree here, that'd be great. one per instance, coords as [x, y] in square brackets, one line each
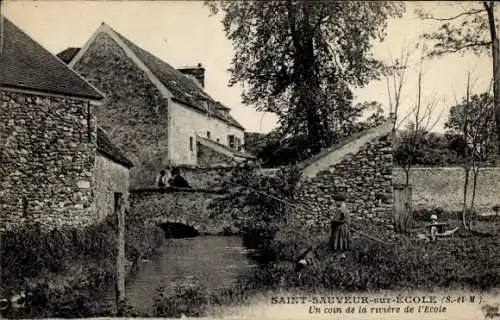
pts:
[299, 59]
[472, 119]
[473, 28]
[409, 144]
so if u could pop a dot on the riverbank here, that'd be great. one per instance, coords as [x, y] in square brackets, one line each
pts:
[62, 273]
[406, 264]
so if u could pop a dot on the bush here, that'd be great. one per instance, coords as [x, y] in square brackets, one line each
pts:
[187, 301]
[63, 270]
[29, 250]
[369, 266]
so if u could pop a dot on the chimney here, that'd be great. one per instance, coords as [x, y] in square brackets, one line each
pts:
[197, 72]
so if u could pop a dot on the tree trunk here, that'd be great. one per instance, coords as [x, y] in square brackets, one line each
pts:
[464, 205]
[495, 53]
[496, 88]
[475, 171]
[407, 175]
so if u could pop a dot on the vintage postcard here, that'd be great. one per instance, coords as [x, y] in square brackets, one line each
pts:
[283, 159]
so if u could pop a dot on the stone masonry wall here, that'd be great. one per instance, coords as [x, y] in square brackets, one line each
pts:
[109, 177]
[209, 157]
[367, 175]
[47, 158]
[188, 208]
[134, 114]
[443, 187]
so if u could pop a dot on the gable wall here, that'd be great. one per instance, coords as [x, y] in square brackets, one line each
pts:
[47, 160]
[368, 175]
[135, 114]
[187, 123]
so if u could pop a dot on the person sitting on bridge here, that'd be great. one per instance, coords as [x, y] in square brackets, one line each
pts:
[177, 180]
[163, 179]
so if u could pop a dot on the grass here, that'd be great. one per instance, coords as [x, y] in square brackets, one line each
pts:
[464, 262]
[65, 272]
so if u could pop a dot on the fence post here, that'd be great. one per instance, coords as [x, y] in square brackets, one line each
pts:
[402, 207]
[120, 257]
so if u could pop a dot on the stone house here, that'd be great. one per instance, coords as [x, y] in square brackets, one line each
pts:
[58, 168]
[362, 166]
[157, 114]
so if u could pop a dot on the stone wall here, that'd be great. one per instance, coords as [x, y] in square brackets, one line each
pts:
[188, 208]
[443, 187]
[367, 175]
[48, 146]
[135, 114]
[209, 157]
[109, 178]
[200, 177]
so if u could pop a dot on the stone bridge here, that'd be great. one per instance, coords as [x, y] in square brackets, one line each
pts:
[361, 163]
[186, 207]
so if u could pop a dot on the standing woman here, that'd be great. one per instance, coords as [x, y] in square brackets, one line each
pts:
[340, 235]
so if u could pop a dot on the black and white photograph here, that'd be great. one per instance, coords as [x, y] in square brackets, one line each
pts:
[286, 159]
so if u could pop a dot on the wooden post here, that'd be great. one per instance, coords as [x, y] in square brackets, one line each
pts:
[120, 257]
[402, 208]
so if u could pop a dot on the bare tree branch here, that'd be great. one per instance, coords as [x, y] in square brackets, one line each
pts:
[466, 13]
[469, 45]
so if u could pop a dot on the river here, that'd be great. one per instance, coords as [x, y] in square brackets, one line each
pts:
[210, 261]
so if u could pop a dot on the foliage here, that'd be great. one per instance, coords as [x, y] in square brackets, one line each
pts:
[187, 301]
[28, 250]
[367, 266]
[260, 213]
[474, 122]
[276, 150]
[63, 270]
[298, 59]
[409, 147]
[468, 30]
[435, 149]
[472, 29]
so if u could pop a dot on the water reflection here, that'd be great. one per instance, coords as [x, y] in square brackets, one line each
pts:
[211, 261]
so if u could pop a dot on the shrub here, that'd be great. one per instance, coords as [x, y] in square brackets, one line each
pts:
[29, 250]
[63, 270]
[187, 301]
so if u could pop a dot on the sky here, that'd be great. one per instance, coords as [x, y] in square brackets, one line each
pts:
[183, 33]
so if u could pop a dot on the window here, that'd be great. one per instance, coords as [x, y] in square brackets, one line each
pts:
[208, 134]
[191, 143]
[231, 141]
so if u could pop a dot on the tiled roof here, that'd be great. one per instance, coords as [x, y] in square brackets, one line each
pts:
[184, 89]
[25, 64]
[106, 147]
[67, 55]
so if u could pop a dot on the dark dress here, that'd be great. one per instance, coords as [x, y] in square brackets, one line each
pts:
[340, 235]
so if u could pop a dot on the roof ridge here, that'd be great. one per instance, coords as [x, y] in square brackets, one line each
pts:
[38, 46]
[188, 96]
[307, 162]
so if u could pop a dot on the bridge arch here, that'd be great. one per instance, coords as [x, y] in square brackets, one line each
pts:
[178, 230]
